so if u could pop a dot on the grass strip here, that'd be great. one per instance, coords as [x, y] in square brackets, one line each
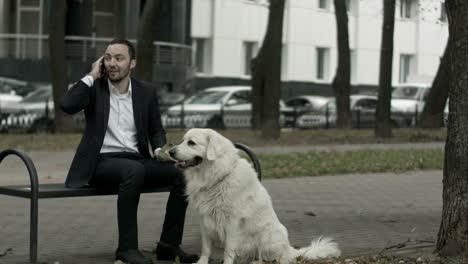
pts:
[361, 161]
[289, 137]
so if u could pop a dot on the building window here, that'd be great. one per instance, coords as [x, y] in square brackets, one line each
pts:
[324, 4]
[406, 63]
[249, 50]
[443, 13]
[29, 20]
[407, 9]
[322, 63]
[200, 47]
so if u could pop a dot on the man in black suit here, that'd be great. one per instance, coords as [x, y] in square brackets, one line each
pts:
[122, 117]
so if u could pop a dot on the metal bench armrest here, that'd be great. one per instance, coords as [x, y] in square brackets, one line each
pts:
[34, 198]
[252, 157]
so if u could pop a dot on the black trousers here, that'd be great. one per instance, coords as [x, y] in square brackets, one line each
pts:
[128, 173]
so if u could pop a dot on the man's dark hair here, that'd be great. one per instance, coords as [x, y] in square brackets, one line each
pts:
[131, 47]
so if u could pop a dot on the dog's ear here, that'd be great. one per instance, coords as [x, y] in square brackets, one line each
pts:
[216, 145]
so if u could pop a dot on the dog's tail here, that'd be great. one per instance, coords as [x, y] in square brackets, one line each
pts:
[321, 247]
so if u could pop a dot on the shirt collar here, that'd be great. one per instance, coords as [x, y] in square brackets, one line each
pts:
[114, 90]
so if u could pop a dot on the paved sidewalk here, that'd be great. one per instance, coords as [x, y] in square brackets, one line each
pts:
[365, 213]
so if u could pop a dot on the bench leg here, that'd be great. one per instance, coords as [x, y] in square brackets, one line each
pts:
[33, 230]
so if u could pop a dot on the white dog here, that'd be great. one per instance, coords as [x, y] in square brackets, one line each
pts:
[236, 210]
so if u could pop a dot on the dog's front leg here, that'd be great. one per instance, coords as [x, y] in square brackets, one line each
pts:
[206, 246]
[230, 246]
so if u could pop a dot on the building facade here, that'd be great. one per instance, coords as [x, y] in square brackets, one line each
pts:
[226, 34]
[203, 43]
[89, 26]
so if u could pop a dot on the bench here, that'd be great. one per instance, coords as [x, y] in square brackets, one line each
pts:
[35, 191]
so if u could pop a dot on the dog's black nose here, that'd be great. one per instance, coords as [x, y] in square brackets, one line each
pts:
[172, 152]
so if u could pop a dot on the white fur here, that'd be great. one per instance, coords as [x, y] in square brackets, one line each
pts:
[236, 210]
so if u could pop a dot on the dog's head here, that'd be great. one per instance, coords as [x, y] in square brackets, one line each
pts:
[200, 145]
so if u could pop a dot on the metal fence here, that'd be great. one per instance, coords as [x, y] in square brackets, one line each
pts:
[222, 119]
[30, 46]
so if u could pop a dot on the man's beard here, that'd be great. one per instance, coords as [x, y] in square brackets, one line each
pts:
[118, 80]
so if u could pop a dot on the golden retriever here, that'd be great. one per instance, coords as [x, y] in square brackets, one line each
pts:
[235, 209]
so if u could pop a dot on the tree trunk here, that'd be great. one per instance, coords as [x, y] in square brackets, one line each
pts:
[146, 37]
[341, 82]
[433, 112]
[266, 75]
[383, 125]
[58, 65]
[453, 233]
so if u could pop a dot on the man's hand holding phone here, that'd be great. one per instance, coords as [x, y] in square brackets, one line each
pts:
[97, 68]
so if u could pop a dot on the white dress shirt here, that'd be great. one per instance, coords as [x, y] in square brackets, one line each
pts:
[121, 134]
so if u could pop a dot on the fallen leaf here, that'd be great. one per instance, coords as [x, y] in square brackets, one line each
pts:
[310, 213]
[6, 252]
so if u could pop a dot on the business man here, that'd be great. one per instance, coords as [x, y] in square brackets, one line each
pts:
[122, 117]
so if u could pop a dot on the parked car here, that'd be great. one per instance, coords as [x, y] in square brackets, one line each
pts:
[7, 99]
[167, 100]
[33, 113]
[307, 102]
[410, 98]
[363, 108]
[15, 86]
[34, 103]
[218, 107]
[302, 104]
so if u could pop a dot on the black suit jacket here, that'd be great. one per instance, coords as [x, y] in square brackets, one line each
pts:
[95, 101]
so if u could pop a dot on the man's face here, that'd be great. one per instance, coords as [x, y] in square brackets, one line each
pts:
[117, 62]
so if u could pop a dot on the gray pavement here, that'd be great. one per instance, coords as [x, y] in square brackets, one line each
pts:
[365, 213]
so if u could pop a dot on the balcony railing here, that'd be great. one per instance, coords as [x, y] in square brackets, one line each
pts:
[29, 46]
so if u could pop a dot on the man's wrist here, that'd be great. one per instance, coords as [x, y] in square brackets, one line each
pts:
[88, 80]
[92, 76]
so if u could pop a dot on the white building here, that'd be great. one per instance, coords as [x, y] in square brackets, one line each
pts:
[227, 33]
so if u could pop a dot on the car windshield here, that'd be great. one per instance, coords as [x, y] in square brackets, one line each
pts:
[207, 97]
[405, 92]
[37, 96]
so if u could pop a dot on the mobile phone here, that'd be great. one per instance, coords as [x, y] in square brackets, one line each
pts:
[103, 68]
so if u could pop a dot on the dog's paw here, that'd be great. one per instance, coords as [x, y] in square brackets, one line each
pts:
[202, 260]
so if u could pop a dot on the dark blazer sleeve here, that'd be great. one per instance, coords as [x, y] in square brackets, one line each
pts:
[77, 98]
[157, 134]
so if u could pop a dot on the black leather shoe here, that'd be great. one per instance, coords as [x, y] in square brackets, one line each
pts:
[132, 256]
[166, 251]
